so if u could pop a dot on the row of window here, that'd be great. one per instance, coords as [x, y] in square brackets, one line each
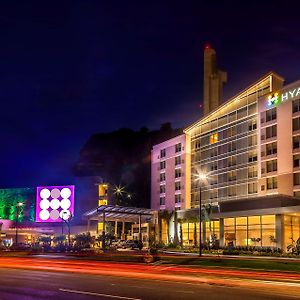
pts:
[228, 117]
[162, 200]
[178, 161]
[178, 187]
[178, 148]
[162, 176]
[230, 161]
[233, 131]
[271, 131]
[271, 114]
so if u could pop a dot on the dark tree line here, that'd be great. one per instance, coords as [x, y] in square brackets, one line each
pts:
[123, 157]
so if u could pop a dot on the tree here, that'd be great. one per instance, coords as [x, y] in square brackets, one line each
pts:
[60, 239]
[165, 215]
[45, 239]
[181, 221]
[83, 240]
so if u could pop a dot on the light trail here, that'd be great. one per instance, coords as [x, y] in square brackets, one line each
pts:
[280, 282]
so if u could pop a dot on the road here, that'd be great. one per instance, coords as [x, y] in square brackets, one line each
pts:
[43, 278]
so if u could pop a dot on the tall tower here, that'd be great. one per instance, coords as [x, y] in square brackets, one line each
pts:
[213, 81]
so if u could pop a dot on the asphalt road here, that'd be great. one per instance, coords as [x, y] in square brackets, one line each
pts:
[19, 284]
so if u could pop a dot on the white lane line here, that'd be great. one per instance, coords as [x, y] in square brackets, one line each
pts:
[97, 294]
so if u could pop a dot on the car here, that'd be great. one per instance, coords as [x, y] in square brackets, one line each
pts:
[133, 244]
[117, 243]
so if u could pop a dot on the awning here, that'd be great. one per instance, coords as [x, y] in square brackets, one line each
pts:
[121, 213]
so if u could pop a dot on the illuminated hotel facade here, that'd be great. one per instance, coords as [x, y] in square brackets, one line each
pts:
[249, 147]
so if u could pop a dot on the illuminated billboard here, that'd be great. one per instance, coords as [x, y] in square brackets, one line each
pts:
[54, 203]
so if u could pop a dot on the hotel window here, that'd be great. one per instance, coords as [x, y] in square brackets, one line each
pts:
[231, 146]
[178, 198]
[162, 153]
[232, 175]
[162, 165]
[177, 160]
[272, 165]
[232, 131]
[231, 191]
[162, 189]
[271, 131]
[271, 114]
[272, 183]
[296, 124]
[162, 177]
[296, 178]
[252, 188]
[231, 161]
[296, 106]
[296, 142]
[252, 125]
[252, 140]
[213, 152]
[214, 138]
[178, 147]
[162, 200]
[177, 173]
[214, 166]
[177, 186]
[252, 172]
[271, 148]
[296, 160]
[252, 156]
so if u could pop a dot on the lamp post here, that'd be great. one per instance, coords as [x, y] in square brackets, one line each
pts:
[67, 220]
[18, 206]
[201, 178]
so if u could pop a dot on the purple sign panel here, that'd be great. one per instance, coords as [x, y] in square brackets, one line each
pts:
[54, 203]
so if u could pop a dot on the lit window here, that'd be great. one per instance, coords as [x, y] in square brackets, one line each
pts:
[214, 138]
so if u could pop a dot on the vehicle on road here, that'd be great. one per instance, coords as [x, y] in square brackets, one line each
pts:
[133, 244]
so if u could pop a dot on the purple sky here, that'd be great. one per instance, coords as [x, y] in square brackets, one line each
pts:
[72, 68]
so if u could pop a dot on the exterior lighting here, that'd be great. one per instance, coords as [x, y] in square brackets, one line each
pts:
[201, 177]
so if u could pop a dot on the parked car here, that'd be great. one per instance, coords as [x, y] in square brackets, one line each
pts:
[117, 243]
[133, 244]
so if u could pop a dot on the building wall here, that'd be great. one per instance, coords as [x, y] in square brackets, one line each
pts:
[224, 146]
[166, 161]
[280, 154]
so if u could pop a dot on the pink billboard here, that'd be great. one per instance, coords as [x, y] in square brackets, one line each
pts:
[54, 203]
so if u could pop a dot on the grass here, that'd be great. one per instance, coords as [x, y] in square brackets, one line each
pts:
[255, 264]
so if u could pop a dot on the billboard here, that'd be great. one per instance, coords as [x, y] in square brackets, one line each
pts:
[54, 203]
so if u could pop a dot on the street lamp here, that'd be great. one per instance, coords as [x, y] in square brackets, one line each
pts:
[200, 177]
[19, 205]
[66, 217]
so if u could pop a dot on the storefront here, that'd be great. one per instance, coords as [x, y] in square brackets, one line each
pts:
[271, 221]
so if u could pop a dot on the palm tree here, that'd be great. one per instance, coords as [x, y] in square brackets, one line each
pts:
[181, 221]
[165, 215]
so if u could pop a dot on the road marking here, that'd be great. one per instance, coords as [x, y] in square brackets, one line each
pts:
[97, 294]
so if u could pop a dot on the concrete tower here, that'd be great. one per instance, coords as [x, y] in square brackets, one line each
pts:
[213, 81]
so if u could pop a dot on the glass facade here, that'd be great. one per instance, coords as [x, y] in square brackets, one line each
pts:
[291, 229]
[250, 231]
[225, 145]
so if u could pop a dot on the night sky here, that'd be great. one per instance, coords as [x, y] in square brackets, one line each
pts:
[73, 68]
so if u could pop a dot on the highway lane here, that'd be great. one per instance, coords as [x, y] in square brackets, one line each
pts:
[19, 284]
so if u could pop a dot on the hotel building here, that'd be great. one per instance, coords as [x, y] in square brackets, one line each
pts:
[249, 147]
